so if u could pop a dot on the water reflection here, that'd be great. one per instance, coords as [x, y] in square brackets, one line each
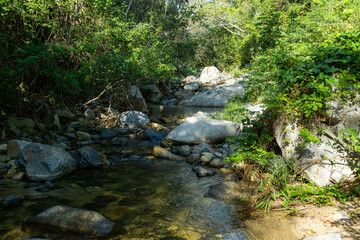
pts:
[147, 199]
[178, 112]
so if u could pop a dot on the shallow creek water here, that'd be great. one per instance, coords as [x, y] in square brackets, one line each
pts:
[146, 198]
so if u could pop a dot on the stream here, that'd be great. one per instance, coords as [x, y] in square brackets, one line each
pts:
[146, 198]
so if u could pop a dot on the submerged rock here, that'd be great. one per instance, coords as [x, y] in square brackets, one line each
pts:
[11, 201]
[75, 220]
[225, 191]
[196, 130]
[163, 153]
[44, 162]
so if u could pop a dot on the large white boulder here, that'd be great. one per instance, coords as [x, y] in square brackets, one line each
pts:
[196, 130]
[210, 75]
[337, 167]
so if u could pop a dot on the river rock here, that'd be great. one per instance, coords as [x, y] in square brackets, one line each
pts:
[10, 173]
[287, 135]
[44, 162]
[202, 147]
[134, 119]
[196, 130]
[184, 150]
[214, 97]
[83, 135]
[193, 158]
[77, 220]
[202, 172]
[21, 123]
[217, 163]
[163, 153]
[189, 80]
[138, 99]
[192, 87]
[18, 176]
[154, 135]
[65, 115]
[11, 201]
[87, 157]
[206, 157]
[3, 148]
[152, 93]
[210, 75]
[15, 147]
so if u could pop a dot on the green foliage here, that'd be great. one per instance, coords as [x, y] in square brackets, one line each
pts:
[351, 137]
[74, 48]
[311, 193]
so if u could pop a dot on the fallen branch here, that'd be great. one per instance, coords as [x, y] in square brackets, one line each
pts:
[108, 87]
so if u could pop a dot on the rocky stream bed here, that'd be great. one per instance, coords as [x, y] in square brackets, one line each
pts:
[98, 173]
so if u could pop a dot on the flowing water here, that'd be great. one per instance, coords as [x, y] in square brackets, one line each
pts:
[146, 198]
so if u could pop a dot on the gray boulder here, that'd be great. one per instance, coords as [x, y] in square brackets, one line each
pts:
[214, 97]
[330, 154]
[45, 162]
[210, 75]
[138, 99]
[196, 130]
[87, 157]
[15, 147]
[134, 119]
[65, 115]
[77, 220]
[21, 123]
